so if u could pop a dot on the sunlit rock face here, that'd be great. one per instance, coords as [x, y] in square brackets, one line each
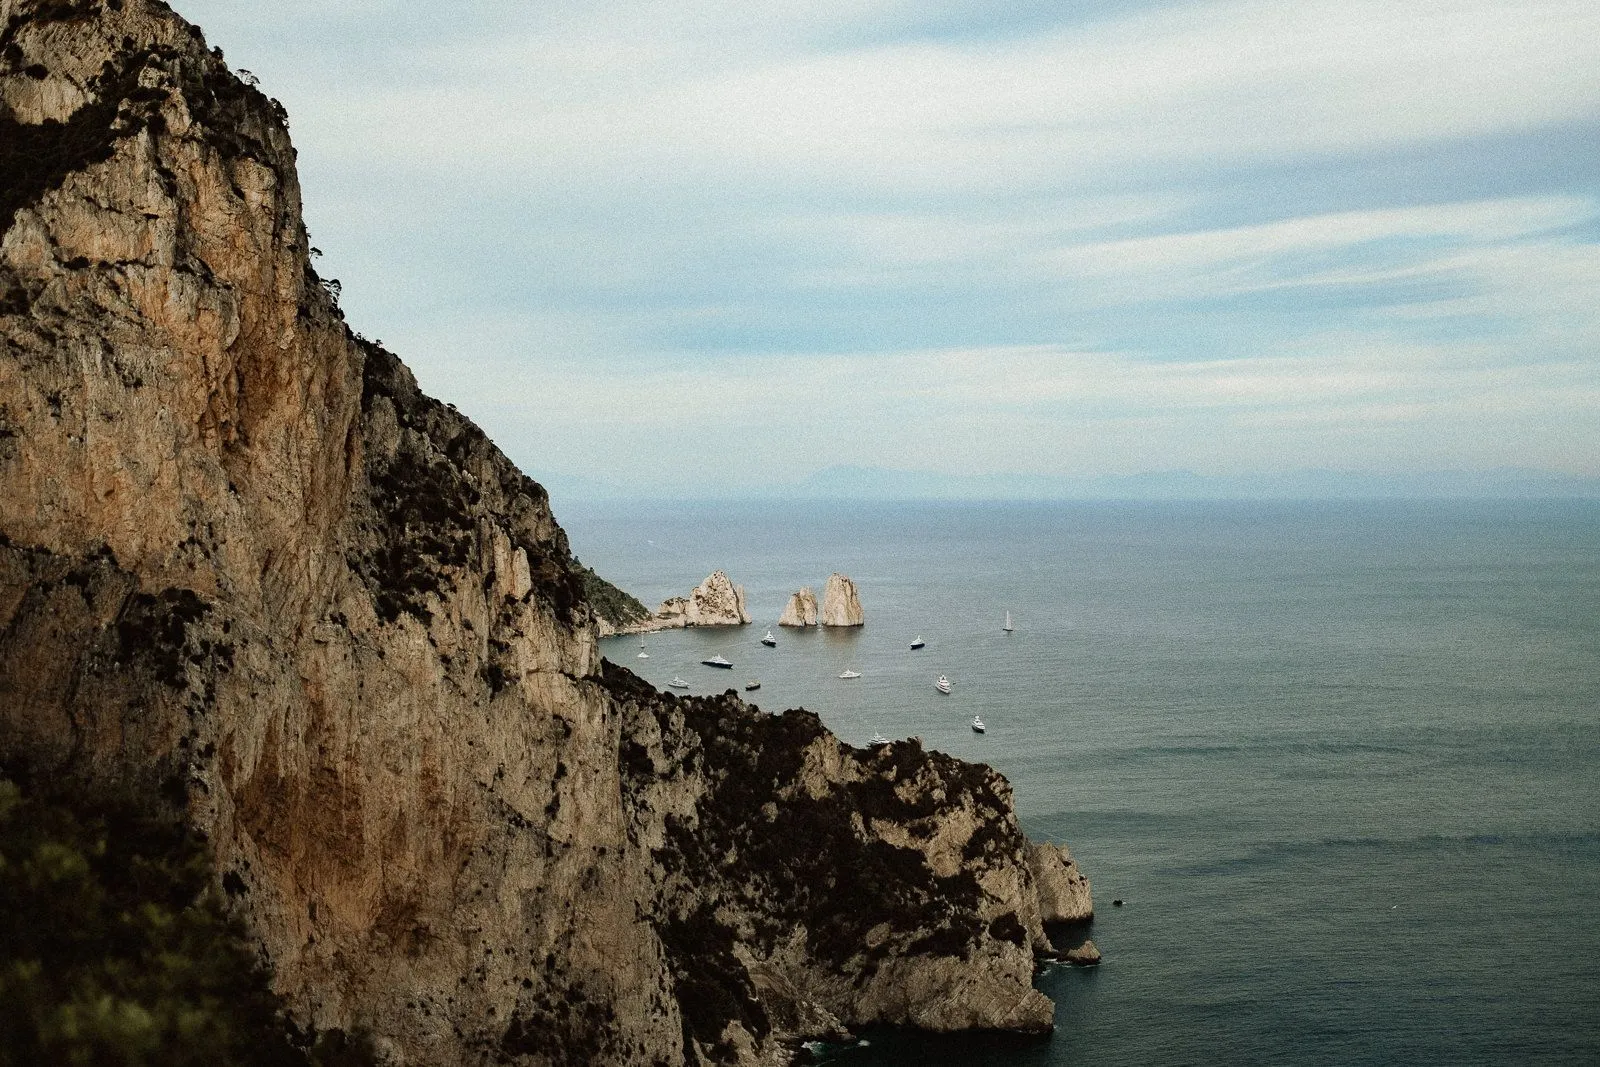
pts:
[841, 605]
[801, 609]
[714, 602]
[247, 565]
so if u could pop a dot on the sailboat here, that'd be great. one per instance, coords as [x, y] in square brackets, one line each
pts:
[1008, 627]
[642, 653]
[769, 640]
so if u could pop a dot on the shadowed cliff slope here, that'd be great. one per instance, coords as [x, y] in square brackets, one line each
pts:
[246, 565]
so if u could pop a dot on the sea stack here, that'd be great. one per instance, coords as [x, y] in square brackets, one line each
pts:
[840, 604]
[714, 602]
[801, 610]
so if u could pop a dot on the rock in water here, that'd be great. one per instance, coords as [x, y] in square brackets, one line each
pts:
[1085, 955]
[840, 604]
[1064, 894]
[246, 565]
[714, 602]
[801, 609]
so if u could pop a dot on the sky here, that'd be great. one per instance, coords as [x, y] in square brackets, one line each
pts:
[721, 245]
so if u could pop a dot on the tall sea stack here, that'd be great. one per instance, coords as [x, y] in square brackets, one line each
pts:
[249, 571]
[841, 606]
[801, 609]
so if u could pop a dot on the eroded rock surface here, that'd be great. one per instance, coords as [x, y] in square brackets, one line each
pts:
[1064, 892]
[841, 605]
[801, 609]
[246, 564]
[714, 602]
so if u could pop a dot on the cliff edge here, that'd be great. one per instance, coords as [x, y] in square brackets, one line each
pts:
[248, 567]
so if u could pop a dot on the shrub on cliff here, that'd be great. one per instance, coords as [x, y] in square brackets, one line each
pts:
[610, 603]
[115, 949]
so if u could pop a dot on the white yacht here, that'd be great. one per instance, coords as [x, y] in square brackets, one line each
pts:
[678, 683]
[849, 674]
[878, 739]
[718, 661]
[769, 640]
[943, 684]
[977, 725]
[918, 643]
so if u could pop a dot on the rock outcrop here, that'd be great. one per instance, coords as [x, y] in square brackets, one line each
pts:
[801, 609]
[1064, 892]
[1085, 955]
[714, 602]
[247, 566]
[841, 606]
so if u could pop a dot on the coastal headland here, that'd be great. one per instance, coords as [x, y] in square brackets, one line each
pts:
[252, 576]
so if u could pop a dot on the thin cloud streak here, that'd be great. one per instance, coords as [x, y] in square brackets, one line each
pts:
[761, 239]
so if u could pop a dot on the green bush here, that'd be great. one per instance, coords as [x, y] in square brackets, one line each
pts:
[115, 948]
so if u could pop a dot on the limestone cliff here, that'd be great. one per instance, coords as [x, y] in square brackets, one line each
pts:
[841, 605]
[245, 564]
[801, 609]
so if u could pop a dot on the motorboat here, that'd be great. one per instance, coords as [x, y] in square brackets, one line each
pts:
[718, 661]
[1008, 627]
[678, 683]
[849, 674]
[977, 725]
[943, 684]
[918, 643]
[769, 640]
[878, 739]
[751, 686]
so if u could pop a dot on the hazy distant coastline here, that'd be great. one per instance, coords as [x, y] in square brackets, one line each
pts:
[880, 483]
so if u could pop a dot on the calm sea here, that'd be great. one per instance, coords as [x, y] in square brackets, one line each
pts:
[1340, 760]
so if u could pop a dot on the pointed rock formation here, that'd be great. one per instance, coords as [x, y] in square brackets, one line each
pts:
[840, 604]
[714, 602]
[801, 609]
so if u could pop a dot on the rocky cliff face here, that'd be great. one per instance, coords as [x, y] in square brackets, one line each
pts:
[246, 564]
[801, 609]
[1064, 892]
[841, 604]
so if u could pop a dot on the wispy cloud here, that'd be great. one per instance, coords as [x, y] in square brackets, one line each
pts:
[763, 237]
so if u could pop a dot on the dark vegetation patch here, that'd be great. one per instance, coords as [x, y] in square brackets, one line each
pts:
[797, 859]
[429, 509]
[711, 986]
[610, 603]
[116, 950]
[560, 1027]
[153, 629]
[425, 527]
